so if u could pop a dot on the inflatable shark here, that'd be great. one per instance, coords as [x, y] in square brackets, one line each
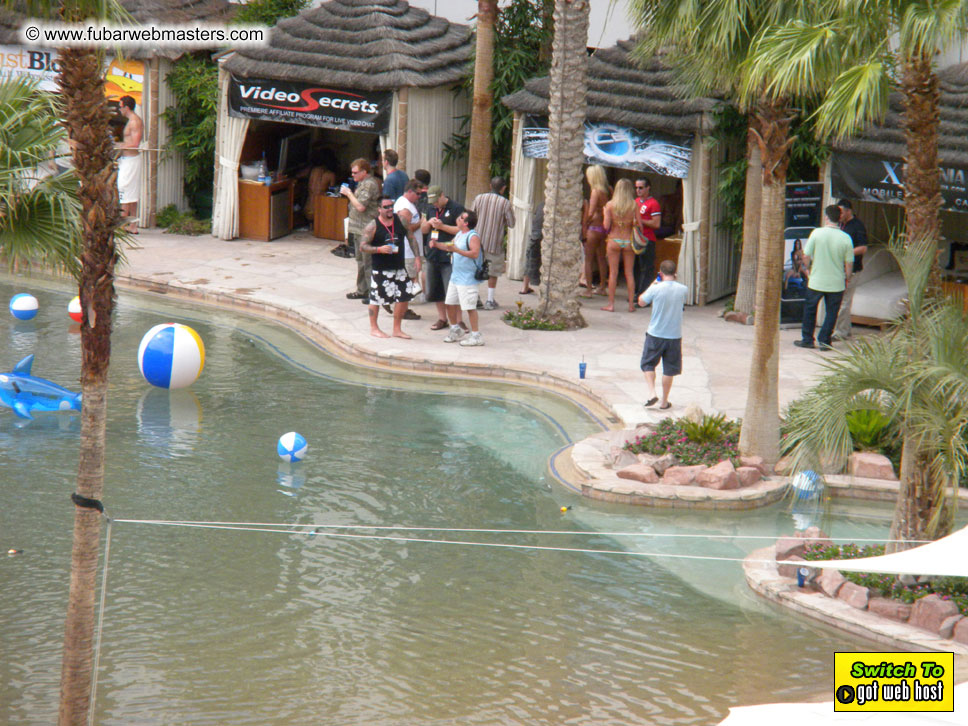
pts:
[25, 394]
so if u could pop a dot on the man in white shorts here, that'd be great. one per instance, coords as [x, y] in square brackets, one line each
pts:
[129, 163]
[462, 290]
[405, 208]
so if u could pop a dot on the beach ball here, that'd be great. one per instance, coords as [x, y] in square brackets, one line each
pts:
[74, 309]
[291, 446]
[807, 484]
[171, 355]
[23, 306]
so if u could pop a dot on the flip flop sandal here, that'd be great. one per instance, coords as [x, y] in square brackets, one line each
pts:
[439, 325]
[652, 401]
[667, 406]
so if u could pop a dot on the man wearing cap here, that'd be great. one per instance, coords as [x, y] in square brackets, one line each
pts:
[439, 226]
[364, 207]
[495, 215]
[858, 236]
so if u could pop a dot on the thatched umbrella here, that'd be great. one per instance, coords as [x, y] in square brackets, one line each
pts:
[371, 45]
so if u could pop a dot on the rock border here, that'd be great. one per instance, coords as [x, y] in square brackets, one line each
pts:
[762, 573]
[601, 457]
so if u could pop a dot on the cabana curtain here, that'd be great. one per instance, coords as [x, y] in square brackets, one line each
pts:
[228, 148]
[523, 172]
[688, 264]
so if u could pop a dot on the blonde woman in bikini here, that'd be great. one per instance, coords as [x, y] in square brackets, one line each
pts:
[620, 217]
[593, 225]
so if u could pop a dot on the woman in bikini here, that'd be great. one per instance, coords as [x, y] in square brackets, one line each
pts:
[593, 225]
[620, 218]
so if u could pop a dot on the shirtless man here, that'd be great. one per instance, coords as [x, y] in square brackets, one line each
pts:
[129, 163]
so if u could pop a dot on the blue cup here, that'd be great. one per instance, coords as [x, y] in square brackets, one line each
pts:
[582, 367]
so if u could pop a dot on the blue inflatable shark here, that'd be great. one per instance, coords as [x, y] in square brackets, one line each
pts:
[24, 394]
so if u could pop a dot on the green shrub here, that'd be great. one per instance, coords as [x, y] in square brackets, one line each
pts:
[167, 216]
[187, 224]
[527, 319]
[671, 437]
[886, 585]
[869, 429]
[709, 428]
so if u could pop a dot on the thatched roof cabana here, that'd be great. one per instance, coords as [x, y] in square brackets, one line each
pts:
[885, 140]
[371, 45]
[621, 91]
[143, 11]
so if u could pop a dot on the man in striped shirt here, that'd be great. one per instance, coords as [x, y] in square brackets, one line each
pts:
[494, 216]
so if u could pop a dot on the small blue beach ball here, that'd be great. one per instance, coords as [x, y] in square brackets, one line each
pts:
[23, 306]
[807, 484]
[291, 447]
[171, 355]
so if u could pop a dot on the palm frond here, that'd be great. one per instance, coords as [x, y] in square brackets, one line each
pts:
[926, 28]
[855, 98]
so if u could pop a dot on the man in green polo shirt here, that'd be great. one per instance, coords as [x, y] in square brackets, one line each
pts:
[830, 254]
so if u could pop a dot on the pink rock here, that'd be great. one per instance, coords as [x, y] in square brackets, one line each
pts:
[960, 632]
[787, 547]
[639, 472]
[681, 475]
[719, 476]
[755, 461]
[889, 608]
[783, 466]
[948, 626]
[854, 595]
[790, 566]
[831, 581]
[748, 475]
[868, 465]
[931, 611]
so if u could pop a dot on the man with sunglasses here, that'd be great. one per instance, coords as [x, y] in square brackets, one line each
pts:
[383, 242]
[364, 201]
[650, 217]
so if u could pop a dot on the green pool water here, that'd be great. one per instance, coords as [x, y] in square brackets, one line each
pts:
[217, 627]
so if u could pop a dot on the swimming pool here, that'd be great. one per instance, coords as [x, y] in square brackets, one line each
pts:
[213, 627]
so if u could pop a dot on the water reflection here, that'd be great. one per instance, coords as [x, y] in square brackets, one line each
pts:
[170, 421]
[290, 477]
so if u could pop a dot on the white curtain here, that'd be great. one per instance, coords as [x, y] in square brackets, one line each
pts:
[692, 205]
[230, 135]
[523, 173]
[433, 117]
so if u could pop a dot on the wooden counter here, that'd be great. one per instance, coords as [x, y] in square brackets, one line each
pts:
[265, 212]
[667, 249]
[328, 216]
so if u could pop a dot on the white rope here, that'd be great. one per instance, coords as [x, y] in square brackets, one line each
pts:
[469, 530]
[100, 624]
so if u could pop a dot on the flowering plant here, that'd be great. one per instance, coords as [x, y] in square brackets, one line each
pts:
[672, 436]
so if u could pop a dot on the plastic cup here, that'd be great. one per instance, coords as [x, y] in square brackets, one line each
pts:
[582, 367]
[393, 248]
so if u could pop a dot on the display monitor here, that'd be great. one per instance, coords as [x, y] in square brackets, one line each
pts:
[294, 151]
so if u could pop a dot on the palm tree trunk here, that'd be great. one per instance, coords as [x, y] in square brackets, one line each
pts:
[922, 179]
[479, 153]
[760, 433]
[560, 249]
[745, 301]
[86, 117]
[916, 515]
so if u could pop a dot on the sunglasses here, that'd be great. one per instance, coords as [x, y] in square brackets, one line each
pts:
[386, 206]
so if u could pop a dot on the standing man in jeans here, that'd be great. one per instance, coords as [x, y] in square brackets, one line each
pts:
[858, 236]
[364, 207]
[830, 255]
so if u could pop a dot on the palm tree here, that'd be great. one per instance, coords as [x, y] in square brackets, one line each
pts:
[38, 208]
[85, 114]
[918, 376]
[707, 44]
[852, 59]
[563, 194]
[479, 151]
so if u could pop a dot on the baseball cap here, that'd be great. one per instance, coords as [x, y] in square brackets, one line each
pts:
[433, 193]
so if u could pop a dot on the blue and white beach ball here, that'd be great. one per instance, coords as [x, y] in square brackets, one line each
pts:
[23, 306]
[291, 446]
[171, 355]
[807, 484]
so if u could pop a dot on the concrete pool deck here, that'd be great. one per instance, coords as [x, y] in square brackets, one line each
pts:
[297, 278]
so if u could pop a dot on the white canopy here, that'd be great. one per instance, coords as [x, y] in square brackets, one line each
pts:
[944, 557]
[820, 714]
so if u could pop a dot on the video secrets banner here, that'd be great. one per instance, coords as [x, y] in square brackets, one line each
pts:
[310, 105]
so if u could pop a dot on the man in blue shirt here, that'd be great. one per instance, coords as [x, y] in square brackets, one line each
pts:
[663, 341]
[394, 180]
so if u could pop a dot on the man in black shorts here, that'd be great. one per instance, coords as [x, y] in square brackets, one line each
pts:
[663, 341]
[440, 226]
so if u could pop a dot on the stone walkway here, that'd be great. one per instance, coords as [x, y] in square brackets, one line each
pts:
[297, 277]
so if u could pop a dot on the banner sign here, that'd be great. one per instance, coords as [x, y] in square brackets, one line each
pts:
[617, 146]
[122, 78]
[804, 204]
[878, 180]
[309, 105]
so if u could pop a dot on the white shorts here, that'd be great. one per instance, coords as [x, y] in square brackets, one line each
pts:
[464, 295]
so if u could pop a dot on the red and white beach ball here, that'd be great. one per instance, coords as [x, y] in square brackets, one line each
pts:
[74, 309]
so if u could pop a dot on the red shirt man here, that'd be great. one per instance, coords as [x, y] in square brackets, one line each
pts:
[650, 213]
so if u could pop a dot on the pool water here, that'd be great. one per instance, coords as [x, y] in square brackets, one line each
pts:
[205, 626]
